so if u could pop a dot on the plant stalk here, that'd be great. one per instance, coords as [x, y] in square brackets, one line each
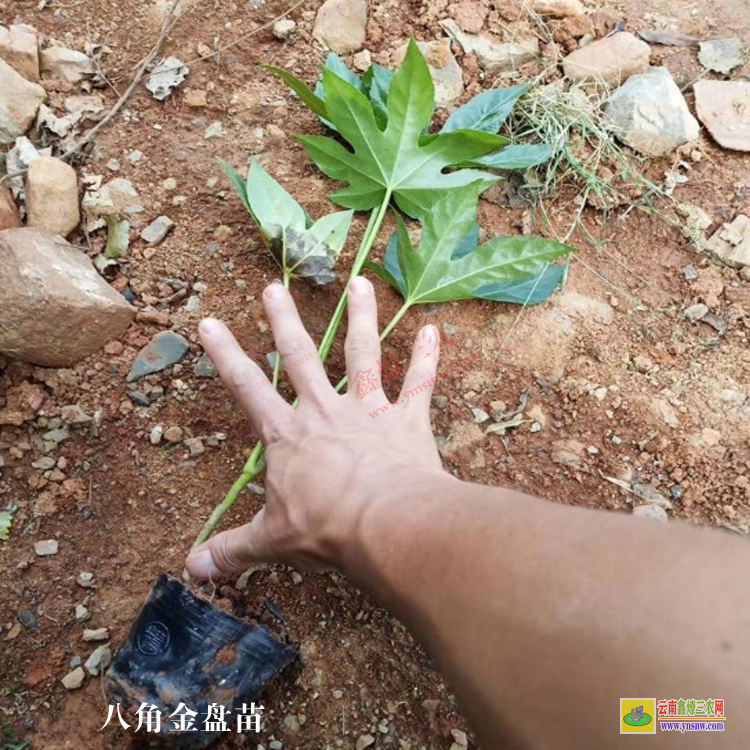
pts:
[255, 465]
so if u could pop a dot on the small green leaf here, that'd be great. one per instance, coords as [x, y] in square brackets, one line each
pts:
[521, 156]
[528, 291]
[304, 250]
[6, 521]
[303, 91]
[487, 111]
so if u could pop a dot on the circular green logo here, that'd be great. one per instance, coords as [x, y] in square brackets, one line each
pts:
[642, 722]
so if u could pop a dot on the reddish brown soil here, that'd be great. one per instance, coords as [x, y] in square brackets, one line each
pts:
[132, 509]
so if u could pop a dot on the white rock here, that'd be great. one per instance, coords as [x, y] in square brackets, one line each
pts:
[52, 195]
[95, 634]
[100, 659]
[341, 25]
[721, 55]
[731, 243]
[157, 230]
[46, 547]
[61, 62]
[445, 71]
[494, 55]
[557, 8]
[82, 613]
[73, 680]
[652, 512]
[649, 113]
[20, 49]
[283, 29]
[611, 60]
[19, 103]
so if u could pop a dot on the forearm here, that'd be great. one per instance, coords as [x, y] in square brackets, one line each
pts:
[537, 612]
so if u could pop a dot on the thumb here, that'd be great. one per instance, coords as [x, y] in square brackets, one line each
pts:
[231, 551]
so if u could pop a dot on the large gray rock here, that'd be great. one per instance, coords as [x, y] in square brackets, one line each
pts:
[611, 60]
[341, 25]
[649, 114]
[20, 49]
[19, 103]
[61, 62]
[55, 309]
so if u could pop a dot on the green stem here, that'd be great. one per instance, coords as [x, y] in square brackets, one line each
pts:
[255, 465]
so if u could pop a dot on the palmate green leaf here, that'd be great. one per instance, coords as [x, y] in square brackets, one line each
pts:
[393, 160]
[487, 111]
[528, 291]
[437, 273]
[306, 250]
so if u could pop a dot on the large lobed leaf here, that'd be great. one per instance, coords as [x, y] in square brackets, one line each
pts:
[392, 160]
[305, 249]
[444, 268]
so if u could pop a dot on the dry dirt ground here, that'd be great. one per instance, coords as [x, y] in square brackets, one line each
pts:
[127, 510]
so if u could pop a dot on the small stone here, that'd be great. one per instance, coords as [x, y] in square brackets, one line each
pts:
[19, 103]
[138, 398]
[204, 367]
[169, 185]
[56, 308]
[460, 738]
[364, 740]
[362, 60]
[557, 8]
[75, 662]
[649, 114]
[193, 304]
[283, 29]
[73, 680]
[642, 364]
[291, 724]
[296, 578]
[689, 272]
[650, 494]
[696, 312]
[721, 55]
[569, 453]
[731, 243]
[652, 512]
[173, 434]
[69, 64]
[223, 232]
[340, 25]
[113, 165]
[58, 435]
[195, 446]
[46, 547]
[157, 230]
[446, 73]
[100, 659]
[723, 106]
[494, 55]
[45, 463]
[480, 415]
[85, 580]
[469, 15]
[74, 414]
[19, 47]
[95, 634]
[165, 349]
[27, 619]
[214, 130]
[82, 613]
[196, 98]
[611, 60]
[338, 694]
[156, 434]
[135, 156]
[22, 402]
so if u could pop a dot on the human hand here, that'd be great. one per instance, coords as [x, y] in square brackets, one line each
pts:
[336, 457]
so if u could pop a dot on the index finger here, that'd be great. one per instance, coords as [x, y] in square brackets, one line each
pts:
[252, 390]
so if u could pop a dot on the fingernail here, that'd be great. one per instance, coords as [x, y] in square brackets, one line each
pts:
[200, 564]
[275, 290]
[210, 326]
[360, 285]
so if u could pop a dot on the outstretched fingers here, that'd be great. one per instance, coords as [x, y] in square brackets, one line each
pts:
[265, 408]
[296, 348]
[419, 382]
